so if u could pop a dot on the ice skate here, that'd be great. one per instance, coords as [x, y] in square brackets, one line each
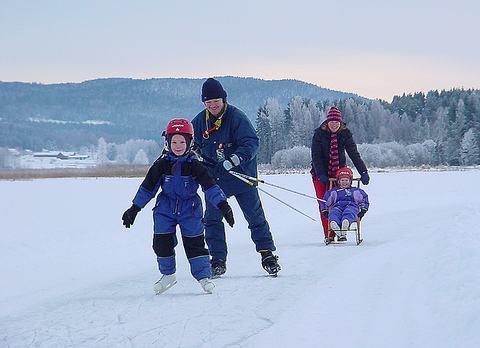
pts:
[270, 262]
[164, 283]
[329, 240]
[219, 268]
[207, 285]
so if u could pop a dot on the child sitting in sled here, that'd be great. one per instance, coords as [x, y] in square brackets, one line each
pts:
[178, 173]
[344, 204]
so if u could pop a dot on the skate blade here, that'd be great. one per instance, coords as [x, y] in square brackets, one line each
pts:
[273, 272]
[216, 276]
[162, 290]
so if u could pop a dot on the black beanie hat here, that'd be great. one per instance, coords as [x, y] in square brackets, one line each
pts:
[212, 89]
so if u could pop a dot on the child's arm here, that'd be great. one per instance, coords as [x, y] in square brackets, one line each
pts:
[213, 192]
[150, 185]
[361, 198]
[147, 190]
[366, 203]
[330, 199]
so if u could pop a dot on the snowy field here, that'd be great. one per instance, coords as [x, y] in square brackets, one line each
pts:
[72, 276]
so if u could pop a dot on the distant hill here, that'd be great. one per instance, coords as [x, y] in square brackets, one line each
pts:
[69, 115]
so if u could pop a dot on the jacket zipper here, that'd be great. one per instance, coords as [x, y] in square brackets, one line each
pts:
[176, 207]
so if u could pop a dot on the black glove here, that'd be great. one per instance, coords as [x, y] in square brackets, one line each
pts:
[323, 179]
[361, 213]
[365, 178]
[129, 216]
[325, 213]
[227, 212]
[219, 170]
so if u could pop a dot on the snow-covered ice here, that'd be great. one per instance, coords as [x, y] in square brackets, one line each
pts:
[72, 276]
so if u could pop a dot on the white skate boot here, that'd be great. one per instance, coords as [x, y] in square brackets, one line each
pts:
[164, 283]
[207, 285]
[342, 237]
[334, 226]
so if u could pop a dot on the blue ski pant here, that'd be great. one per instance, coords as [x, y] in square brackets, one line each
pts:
[251, 206]
[339, 213]
[197, 254]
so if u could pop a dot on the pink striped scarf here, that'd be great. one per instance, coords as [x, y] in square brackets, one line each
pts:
[334, 160]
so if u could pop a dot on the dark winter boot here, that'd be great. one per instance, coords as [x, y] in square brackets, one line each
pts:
[219, 268]
[270, 262]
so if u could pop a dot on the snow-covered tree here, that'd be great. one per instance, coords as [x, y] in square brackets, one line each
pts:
[297, 118]
[469, 151]
[141, 158]
[264, 133]
[102, 158]
[6, 158]
[296, 157]
[275, 116]
[127, 151]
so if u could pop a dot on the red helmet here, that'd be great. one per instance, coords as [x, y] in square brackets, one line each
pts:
[179, 126]
[344, 172]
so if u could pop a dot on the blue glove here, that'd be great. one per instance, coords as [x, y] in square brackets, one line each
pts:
[323, 179]
[365, 178]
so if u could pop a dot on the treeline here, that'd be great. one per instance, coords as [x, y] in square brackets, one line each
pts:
[137, 152]
[434, 128]
[69, 115]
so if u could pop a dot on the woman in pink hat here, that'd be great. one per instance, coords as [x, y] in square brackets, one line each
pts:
[330, 142]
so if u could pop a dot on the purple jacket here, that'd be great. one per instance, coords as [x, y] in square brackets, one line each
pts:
[344, 197]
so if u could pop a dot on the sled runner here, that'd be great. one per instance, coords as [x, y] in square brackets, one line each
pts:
[353, 228]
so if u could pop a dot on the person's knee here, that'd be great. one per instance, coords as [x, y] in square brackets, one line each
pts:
[194, 246]
[164, 244]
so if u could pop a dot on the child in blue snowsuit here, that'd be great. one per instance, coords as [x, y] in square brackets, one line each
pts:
[344, 204]
[178, 173]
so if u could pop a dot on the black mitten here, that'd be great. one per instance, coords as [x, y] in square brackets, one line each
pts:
[361, 213]
[227, 212]
[129, 216]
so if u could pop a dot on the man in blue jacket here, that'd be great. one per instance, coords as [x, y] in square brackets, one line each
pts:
[226, 140]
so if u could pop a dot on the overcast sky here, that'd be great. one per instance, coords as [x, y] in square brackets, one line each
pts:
[373, 48]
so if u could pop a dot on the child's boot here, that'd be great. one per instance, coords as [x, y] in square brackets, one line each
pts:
[164, 283]
[207, 285]
[342, 234]
[335, 228]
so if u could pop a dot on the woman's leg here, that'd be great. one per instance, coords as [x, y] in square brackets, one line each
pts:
[320, 190]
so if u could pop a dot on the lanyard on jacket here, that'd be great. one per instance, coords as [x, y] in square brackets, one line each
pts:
[216, 124]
